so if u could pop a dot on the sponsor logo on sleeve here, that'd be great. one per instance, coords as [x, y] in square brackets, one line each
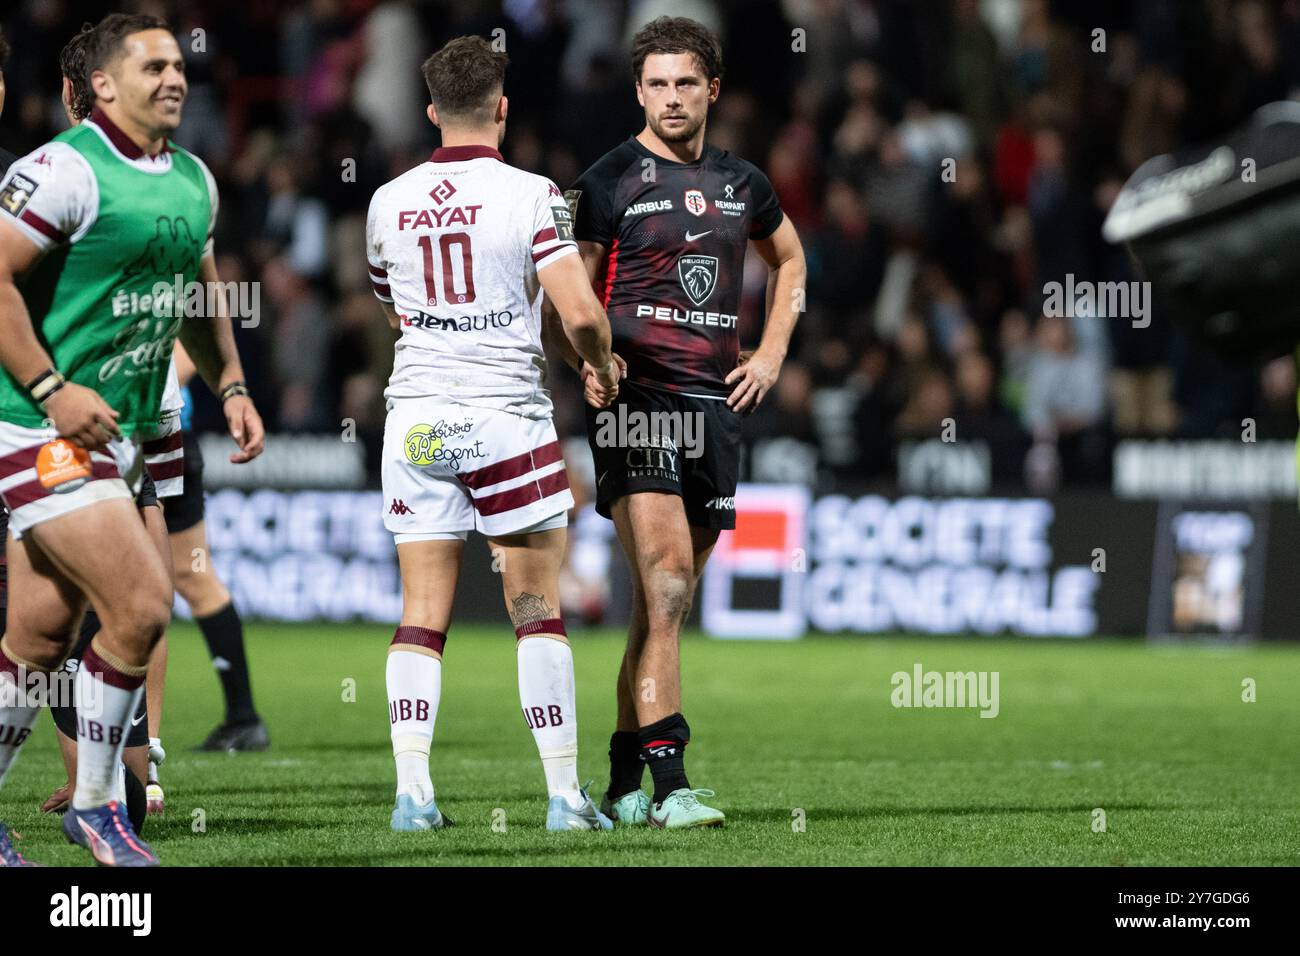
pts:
[571, 197]
[563, 223]
[17, 192]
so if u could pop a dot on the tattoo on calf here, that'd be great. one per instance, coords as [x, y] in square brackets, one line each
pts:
[528, 608]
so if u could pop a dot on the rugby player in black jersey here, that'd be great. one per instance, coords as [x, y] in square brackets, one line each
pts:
[663, 222]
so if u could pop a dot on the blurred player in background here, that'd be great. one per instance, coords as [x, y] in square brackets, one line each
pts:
[209, 600]
[460, 250]
[122, 211]
[669, 250]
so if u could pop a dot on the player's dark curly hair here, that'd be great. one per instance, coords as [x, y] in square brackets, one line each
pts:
[677, 35]
[105, 43]
[4, 51]
[72, 64]
[464, 78]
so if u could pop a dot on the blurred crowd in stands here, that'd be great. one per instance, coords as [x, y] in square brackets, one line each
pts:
[943, 160]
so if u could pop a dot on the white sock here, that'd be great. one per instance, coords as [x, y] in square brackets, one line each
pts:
[547, 697]
[102, 737]
[16, 716]
[414, 686]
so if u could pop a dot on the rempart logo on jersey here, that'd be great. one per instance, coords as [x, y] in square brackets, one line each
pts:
[633, 428]
[427, 444]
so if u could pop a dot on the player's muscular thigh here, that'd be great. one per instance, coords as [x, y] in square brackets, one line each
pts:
[128, 583]
[45, 607]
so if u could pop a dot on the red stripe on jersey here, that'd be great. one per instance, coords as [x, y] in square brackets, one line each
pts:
[41, 226]
[539, 256]
[545, 235]
[512, 467]
[377, 272]
[611, 270]
[382, 288]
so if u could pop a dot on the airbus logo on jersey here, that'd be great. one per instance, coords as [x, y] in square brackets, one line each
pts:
[699, 276]
[435, 218]
[661, 205]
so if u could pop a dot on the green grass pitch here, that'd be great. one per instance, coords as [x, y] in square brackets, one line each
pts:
[1157, 737]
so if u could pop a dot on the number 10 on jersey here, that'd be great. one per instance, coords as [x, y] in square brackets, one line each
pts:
[459, 241]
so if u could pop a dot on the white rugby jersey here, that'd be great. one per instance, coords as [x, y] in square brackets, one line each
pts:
[455, 245]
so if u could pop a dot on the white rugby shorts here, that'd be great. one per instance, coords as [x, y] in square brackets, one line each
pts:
[43, 476]
[449, 469]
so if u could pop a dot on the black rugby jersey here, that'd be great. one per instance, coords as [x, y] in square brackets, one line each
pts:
[676, 235]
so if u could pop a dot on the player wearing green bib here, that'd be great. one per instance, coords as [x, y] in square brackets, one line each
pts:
[99, 229]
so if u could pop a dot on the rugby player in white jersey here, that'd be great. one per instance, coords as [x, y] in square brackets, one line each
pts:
[461, 249]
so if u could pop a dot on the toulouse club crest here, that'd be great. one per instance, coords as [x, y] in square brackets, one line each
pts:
[695, 202]
[698, 274]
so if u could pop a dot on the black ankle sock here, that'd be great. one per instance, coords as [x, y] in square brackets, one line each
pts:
[224, 634]
[625, 766]
[663, 748]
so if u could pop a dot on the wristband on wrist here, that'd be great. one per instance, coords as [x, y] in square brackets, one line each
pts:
[233, 389]
[46, 384]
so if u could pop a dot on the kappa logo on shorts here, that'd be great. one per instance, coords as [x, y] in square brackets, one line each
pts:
[16, 194]
[398, 507]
